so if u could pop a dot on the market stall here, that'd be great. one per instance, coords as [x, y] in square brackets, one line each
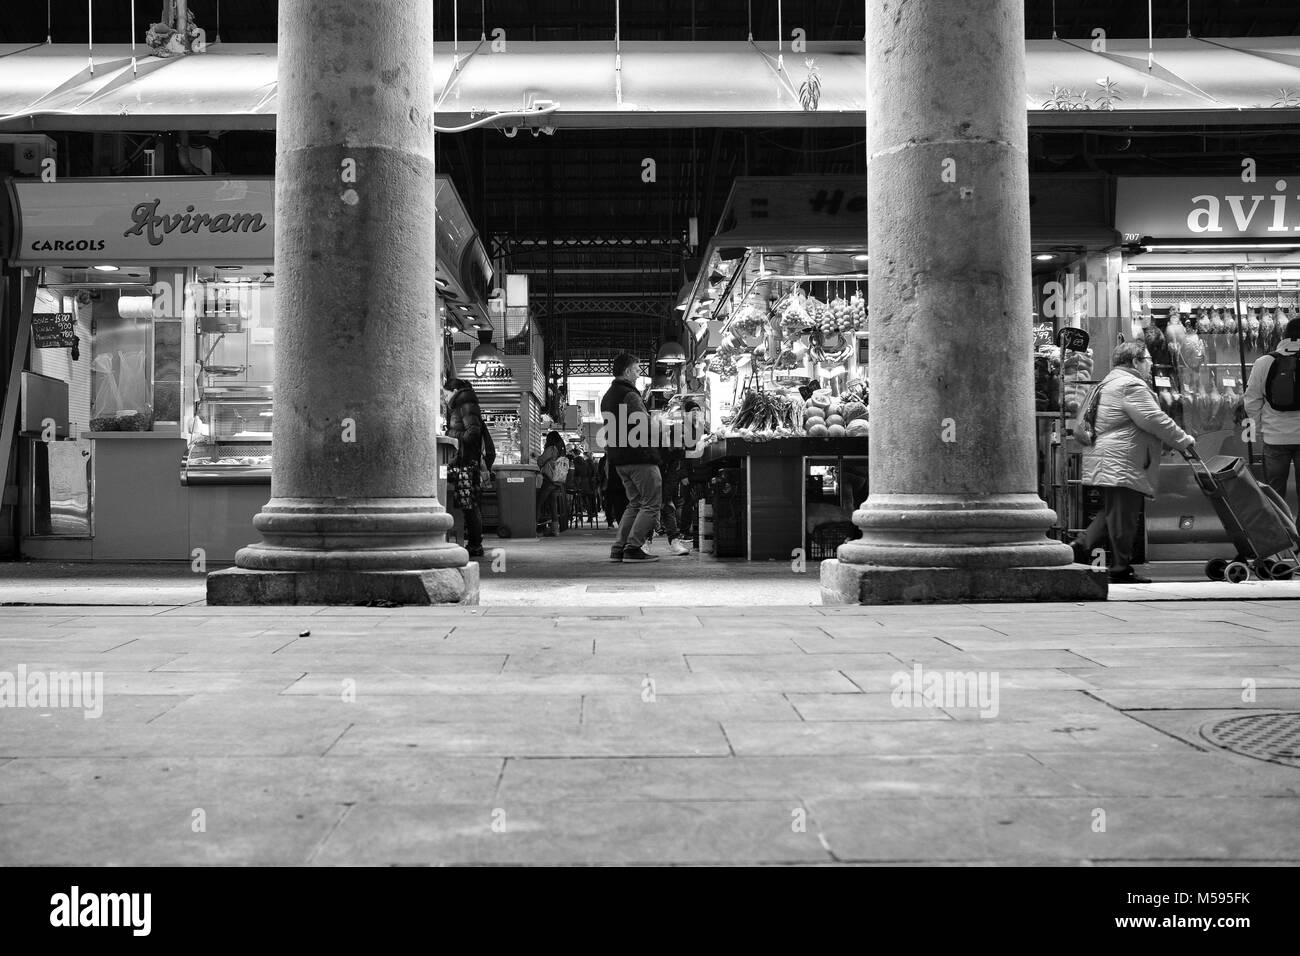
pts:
[1211, 278]
[154, 302]
[778, 358]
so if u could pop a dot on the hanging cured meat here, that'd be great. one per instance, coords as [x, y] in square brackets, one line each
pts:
[1216, 323]
[1252, 329]
[1192, 351]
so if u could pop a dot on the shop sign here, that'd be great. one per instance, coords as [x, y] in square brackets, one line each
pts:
[149, 220]
[54, 330]
[759, 202]
[1219, 208]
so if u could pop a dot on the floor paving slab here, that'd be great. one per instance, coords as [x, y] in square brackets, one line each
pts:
[202, 781]
[615, 832]
[259, 833]
[798, 778]
[1135, 828]
[603, 708]
[945, 737]
[670, 737]
[1193, 774]
[1214, 698]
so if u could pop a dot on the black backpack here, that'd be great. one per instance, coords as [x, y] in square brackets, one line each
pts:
[1281, 390]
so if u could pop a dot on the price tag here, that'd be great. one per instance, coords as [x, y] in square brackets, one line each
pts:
[514, 481]
[442, 472]
[1229, 383]
[1185, 308]
[1163, 381]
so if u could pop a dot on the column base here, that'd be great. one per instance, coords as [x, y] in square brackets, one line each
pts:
[239, 586]
[843, 583]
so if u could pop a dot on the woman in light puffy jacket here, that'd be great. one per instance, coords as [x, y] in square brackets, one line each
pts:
[1131, 432]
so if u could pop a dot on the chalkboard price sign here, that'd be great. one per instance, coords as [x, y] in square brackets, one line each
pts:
[54, 330]
[1072, 340]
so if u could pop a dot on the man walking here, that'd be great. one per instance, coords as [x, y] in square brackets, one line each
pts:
[629, 452]
[1273, 404]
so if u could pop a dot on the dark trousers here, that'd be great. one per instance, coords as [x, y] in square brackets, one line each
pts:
[473, 526]
[1117, 522]
[1277, 466]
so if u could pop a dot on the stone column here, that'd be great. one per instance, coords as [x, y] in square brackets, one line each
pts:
[353, 515]
[954, 514]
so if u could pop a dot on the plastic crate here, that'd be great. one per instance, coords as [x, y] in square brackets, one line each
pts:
[826, 538]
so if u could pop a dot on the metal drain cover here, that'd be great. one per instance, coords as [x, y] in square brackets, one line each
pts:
[1271, 737]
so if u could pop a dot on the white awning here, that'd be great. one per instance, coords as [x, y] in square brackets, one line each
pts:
[650, 84]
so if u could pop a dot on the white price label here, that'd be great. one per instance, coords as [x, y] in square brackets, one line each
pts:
[514, 481]
[1229, 383]
[1184, 307]
[442, 472]
[1163, 382]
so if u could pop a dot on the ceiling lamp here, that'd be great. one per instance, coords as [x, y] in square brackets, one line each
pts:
[670, 353]
[1045, 257]
[485, 354]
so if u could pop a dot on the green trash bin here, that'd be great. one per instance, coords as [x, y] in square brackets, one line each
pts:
[516, 487]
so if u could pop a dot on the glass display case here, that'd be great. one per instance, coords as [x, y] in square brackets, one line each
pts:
[231, 437]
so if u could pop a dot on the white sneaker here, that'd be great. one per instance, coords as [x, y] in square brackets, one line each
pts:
[676, 547]
[646, 547]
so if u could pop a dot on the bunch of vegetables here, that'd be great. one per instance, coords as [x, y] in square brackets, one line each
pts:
[767, 414]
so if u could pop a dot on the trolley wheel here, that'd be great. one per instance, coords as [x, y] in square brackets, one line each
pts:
[1237, 572]
[1264, 568]
[1280, 571]
[503, 531]
[1214, 568]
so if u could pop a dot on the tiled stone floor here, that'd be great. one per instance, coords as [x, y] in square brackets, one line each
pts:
[647, 735]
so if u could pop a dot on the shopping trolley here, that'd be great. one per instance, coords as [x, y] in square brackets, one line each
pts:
[1256, 518]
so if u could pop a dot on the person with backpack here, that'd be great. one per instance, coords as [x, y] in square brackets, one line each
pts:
[1123, 432]
[1273, 404]
[555, 469]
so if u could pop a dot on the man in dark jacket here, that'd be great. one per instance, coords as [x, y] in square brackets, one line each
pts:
[474, 445]
[629, 449]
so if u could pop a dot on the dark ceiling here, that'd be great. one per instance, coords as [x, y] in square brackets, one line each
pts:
[253, 21]
[619, 254]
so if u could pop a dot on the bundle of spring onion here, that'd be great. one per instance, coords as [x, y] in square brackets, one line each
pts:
[768, 414]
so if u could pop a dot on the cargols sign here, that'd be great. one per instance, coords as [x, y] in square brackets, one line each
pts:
[1218, 208]
[149, 220]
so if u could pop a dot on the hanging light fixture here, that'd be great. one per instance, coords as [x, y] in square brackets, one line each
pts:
[670, 353]
[485, 354]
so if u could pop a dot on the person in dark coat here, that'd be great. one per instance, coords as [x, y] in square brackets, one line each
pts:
[632, 457]
[474, 450]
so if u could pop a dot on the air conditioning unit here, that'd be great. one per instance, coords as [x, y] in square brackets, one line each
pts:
[22, 154]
